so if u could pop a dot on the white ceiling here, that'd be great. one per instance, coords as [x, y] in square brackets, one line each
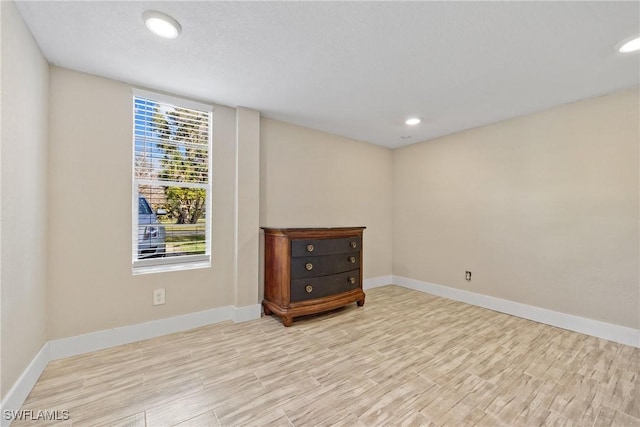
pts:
[356, 69]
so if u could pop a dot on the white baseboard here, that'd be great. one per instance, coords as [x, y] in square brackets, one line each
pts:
[376, 282]
[249, 312]
[79, 344]
[596, 328]
[18, 394]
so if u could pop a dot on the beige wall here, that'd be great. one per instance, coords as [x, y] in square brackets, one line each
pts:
[90, 185]
[311, 178]
[25, 87]
[542, 209]
[91, 286]
[248, 206]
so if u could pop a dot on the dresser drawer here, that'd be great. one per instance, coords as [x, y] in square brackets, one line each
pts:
[318, 287]
[303, 267]
[316, 247]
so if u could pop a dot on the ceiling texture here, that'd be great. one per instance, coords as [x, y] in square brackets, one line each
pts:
[355, 69]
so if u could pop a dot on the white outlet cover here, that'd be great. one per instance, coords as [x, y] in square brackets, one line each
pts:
[158, 297]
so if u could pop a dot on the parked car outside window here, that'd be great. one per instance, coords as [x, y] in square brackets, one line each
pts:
[151, 235]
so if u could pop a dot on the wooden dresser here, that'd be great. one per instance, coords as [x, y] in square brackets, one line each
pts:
[310, 270]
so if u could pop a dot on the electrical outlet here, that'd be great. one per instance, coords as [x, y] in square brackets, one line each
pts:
[467, 276]
[158, 296]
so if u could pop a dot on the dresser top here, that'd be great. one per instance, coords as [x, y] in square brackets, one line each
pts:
[313, 231]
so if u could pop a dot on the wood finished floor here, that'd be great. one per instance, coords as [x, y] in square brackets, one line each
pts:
[405, 358]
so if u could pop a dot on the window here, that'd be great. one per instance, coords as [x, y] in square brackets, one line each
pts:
[171, 183]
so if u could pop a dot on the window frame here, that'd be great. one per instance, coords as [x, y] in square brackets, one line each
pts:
[182, 262]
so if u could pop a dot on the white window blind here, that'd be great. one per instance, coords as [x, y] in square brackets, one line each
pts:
[171, 183]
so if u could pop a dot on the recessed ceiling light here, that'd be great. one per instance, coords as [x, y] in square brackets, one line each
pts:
[413, 121]
[161, 24]
[630, 46]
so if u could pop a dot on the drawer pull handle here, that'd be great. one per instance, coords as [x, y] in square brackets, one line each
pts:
[310, 248]
[308, 288]
[353, 245]
[308, 266]
[352, 259]
[352, 280]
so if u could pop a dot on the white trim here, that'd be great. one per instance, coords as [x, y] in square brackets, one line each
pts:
[246, 313]
[376, 282]
[79, 344]
[583, 325]
[163, 265]
[16, 397]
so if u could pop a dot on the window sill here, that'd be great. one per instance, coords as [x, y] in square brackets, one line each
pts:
[142, 267]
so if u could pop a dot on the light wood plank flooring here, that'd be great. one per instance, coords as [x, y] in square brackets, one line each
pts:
[404, 359]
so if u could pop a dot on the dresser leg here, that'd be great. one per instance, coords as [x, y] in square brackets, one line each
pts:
[267, 312]
[287, 321]
[360, 302]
